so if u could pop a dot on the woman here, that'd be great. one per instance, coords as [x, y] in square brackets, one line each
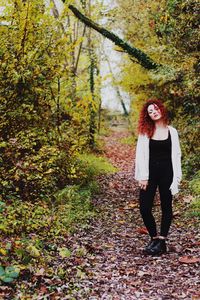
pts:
[158, 164]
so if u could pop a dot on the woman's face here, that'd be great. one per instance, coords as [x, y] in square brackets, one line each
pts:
[154, 112]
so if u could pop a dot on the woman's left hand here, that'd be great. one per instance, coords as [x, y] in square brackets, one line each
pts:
[143, 184]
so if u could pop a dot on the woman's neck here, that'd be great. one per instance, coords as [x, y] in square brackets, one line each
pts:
[160, 124]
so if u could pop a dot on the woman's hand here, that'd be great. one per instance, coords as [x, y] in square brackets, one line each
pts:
[143, 184]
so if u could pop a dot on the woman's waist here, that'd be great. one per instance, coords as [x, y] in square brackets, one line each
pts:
[165, 161]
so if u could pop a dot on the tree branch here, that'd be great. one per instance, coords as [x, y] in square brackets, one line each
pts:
[143, 59]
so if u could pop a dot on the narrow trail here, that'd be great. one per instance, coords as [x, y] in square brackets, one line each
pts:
[114, 267]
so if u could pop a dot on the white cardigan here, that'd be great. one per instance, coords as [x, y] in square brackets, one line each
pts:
[142, 159]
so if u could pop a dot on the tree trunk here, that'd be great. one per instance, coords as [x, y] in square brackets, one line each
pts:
[92, 125]
[116, 87]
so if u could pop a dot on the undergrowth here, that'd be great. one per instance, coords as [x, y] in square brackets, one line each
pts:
[57, 215]
[32, 231]
[130, 140]
[194, 186]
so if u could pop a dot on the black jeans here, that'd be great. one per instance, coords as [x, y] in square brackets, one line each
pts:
[160, 175]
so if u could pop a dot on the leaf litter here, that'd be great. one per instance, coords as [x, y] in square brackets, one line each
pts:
[104, 260]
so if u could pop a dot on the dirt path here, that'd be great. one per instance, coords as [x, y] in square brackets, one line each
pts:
[113, 267]
[103, 260]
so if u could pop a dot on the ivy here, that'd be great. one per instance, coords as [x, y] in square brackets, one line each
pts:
[8, 274]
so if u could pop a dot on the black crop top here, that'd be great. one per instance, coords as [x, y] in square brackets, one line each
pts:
[160, 150]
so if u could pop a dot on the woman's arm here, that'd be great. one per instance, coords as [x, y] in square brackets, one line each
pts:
[178, 158]
[142, 159]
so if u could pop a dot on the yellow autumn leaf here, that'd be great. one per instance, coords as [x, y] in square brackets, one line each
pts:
[3, 252]
[121, 221]
[33, 251]
[64, 252]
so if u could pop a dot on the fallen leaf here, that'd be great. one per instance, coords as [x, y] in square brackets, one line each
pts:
[188, 199]
[196, 297]
[40, 272]
[113, 258]
[142, 230]
[122, 208]
[176, 213]
[43, 289]
[3, 252]
[189, 260]
[190, 249]
[33, 251]
[121, 221]
[64, 252]
[114, 185]
[131, 206]
[80, 274]
[196, 244]
[107, 245]
[141, 273]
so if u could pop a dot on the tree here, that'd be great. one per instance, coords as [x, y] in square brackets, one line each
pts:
[42, 128]
[166, 29]
[142, 57]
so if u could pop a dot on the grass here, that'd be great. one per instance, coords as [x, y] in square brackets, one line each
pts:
[194, 186]
[68, 208]
[130, 140]
[96, 165]
[195, 208]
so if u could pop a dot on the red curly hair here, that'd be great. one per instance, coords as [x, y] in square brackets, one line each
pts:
[146, 125]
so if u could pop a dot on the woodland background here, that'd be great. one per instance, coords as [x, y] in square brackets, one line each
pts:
[51, 118]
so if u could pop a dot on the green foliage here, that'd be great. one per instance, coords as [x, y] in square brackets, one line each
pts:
[44, 120]
[28, 76]
[66, 208]
[178, 24]
[166, 30]
[24, 217]
[72, 205]
[64, 252]
[129, 140]
[194, 184]
[195, 208]
[188, 129]
[8, 274]
[95, 165]
[27, 249]
[2, 206]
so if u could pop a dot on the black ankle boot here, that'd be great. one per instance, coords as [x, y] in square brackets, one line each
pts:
[159, 248]
[152, 243]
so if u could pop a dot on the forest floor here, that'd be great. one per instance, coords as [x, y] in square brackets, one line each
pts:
[107, 261]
